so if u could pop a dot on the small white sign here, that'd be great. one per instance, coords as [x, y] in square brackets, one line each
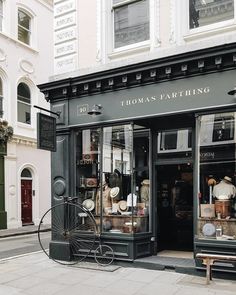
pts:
[65, 35]
[64, 7]
[65, 21]
[65, 64]
[65, 48]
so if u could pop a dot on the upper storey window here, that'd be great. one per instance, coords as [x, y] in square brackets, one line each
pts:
[131, 22]
[208, 12]
[24, 103]
[24, 27]
[1, 14]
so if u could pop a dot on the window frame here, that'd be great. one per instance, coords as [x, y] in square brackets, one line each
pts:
[1, 14]
[29, 31]
[210, 28]
[24, 103]
[133, 45]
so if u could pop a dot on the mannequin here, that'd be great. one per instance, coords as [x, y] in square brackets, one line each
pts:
[224, 190]
[106, 199]
[144, 191]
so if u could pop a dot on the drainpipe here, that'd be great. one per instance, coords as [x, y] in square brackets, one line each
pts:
[3, 213]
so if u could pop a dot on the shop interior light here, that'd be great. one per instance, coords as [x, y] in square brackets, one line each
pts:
[96, 110]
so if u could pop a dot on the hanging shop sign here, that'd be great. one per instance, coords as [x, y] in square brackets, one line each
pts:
[46, 132]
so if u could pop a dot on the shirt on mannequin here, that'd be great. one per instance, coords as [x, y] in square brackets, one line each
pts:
[224, 191]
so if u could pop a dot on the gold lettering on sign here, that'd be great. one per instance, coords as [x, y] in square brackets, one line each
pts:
[166, 96]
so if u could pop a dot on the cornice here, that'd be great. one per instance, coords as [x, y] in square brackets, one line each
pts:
[218, 58]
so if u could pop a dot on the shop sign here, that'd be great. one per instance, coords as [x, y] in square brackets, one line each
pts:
[175, 96]
[46, 132]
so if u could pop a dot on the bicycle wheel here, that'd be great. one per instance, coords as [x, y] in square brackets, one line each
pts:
[104, 255]
[72, 236]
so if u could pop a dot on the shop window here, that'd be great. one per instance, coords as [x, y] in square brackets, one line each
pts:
[131, 22]
[1, 14]
[107, 184]
[217, 192]
[23, 103]
[208, 12]
[24, 27]
[1, 99]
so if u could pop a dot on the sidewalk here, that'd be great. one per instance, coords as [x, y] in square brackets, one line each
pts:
[35, 274]
[28, 229]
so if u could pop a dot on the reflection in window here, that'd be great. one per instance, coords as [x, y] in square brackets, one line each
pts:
[131, 22]
[1, 14]
[24, 22]
[223, 128]
[1, 99]
[206, 12]
[23, 104]
[168, 140]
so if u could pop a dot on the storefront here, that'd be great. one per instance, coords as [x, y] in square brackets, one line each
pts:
[154, 140]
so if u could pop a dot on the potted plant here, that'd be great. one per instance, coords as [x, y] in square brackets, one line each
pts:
[6, 132]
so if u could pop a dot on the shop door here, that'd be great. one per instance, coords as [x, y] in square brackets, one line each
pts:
[174, 190]
[26, 201]
[175, 207]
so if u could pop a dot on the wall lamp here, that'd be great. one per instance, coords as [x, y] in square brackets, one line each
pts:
[96, 110]
[232, 92]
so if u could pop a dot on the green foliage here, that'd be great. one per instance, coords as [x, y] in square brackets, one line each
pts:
[6, 132]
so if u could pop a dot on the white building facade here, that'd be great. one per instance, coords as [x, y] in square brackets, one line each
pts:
[91, 36]
[26, 59]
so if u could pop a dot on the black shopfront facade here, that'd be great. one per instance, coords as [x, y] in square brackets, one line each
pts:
[142, 166]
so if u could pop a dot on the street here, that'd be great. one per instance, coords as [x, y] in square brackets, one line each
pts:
[35, 274]
[17, 245]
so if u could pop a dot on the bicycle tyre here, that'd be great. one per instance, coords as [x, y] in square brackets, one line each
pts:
[68, 226]
[104, 255]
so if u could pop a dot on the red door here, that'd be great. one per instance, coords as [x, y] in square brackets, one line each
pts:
[26, 201]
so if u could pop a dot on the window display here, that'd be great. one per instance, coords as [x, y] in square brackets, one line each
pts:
[113, 177]
[217, 192]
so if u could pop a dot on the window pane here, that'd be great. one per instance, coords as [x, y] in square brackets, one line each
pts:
[23, 20]
[217, 192]
[24, 107]
[23, 27]
[131, 23]
[23, 35]
[88, 160]
[26, 173]
[23, 111]
[23, 91]
[206, 12]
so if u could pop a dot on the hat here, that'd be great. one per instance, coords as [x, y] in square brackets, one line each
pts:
[211, 181]
[88, 204]
[122, 206]
[114, 192]
[227, 178]
[145, 182]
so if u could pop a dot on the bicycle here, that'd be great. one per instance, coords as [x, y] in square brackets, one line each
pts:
[76, 228]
